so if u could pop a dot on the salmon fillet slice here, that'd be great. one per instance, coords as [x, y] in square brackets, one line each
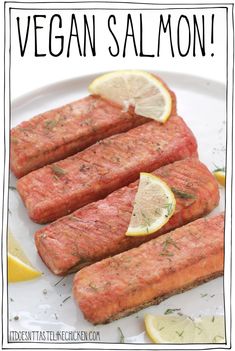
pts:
[64, 131]
[97, 230]
[169, 264]
[58, 189]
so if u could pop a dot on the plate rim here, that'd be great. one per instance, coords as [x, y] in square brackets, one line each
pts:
[20, 100]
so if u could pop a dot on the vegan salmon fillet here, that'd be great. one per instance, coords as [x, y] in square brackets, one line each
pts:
[59, 133]
[58, 189]
[169, 264]
[97, 230]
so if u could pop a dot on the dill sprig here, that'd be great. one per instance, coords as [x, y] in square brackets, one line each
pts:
[182, 194]
[171, 310]
[58, 171]
[122, 337]
[66, 299]
[218, 169]
[50, 123]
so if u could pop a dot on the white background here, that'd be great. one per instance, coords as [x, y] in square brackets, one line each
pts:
[30, 72]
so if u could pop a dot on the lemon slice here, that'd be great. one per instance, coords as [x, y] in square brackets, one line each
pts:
[140, 89]
[19, 267]
[220, 177]
[153, 206]
[184, 330]
[169, 329]
[15, 249]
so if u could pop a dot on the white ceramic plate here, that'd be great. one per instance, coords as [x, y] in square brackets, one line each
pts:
[43, 305]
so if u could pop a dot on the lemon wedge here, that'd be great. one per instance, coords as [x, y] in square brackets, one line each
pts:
[19, 267]
[19, 271]
[184, 330]
[140, 89]
[153, 206]
[220, 177]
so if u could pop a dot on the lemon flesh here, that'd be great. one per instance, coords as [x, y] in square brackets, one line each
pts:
[15, 249]
[184, 330]
[140, 89]
[153, 206]
[220, 177]
[19, 267]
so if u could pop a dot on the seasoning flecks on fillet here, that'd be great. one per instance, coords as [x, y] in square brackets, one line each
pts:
[169, 264]
[97, 230]
[58, 189]
[61, 132]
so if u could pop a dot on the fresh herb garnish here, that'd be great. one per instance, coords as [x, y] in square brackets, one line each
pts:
[200, 329]
[14, 140]
[183, 194]
[169, 241]
[58, 170]
[169, 208]
[166, 253]
[146, 219]
[50, 123]
[213, 319]
[171, 310]
[204, 295]
[179, 333]
[12, 187]
[59, 281]
[219, 169]
[93, 286]
[66, 299]
[122, 337]
[215, 338]
[165, 247]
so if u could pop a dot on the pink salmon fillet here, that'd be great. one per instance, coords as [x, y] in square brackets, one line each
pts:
[164, 266]
[59, 189]
[97, 230]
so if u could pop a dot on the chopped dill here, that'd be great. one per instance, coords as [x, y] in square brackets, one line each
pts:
[204, 295]
[179, 333]
[200, 329]
[68, 297]
[219, 169]
[171, 310]
[169, 208]
[50, 123]
[93, 286]
[146, 219]
[166, 253]
[59, 281]
[122, 337]
[182, 194]
[215, 338]
[58, 170]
